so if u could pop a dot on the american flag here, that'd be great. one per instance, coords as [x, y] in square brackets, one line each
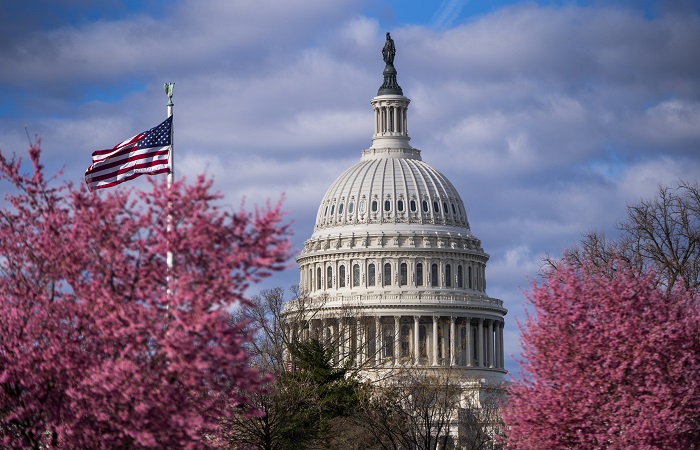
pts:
[145, 153]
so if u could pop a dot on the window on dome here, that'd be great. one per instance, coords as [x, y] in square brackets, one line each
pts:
[340, 209]
[341, 276]
[448, 275]
[329, 277]
[332, 209]
[444, 208]
[362, 206]
[419, 274]
[413, 206]
[399, 205]
[387, 274]
[356, 275]
[371, 275]
[351, 207]
[387, 205]
[436, 207]
[325, 211]
[454, 211]
[403, 276]
[434, 275]
[374, 206]
[460, 282]
[425, 206]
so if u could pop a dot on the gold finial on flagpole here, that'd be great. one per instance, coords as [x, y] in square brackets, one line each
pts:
[169, 92]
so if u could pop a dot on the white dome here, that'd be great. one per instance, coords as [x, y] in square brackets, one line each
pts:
[391, 187]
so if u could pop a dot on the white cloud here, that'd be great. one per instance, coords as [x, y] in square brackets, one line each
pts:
[548, 120]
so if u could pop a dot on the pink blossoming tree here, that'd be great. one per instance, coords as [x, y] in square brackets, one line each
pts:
[610, 361]
[101, 346]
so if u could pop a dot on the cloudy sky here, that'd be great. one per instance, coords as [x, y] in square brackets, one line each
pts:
[548, 116]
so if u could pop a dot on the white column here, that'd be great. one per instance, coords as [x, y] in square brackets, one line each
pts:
[397, 340]
[458, 346]
[341, 343]
[480, 343]
[489, 343]
[435, 340]
[501, 355]
[468, 344]
[376, 120]
[378, 340]
[453, 341]
[416, 339]
[496, 346]
[359, 342]
[338, 340]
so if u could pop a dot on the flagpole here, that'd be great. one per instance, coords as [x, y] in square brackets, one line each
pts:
[169, 87]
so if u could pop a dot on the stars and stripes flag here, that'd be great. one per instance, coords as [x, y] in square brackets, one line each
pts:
[146, 153]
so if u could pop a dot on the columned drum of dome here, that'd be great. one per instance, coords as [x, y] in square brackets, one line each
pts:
[392, 242]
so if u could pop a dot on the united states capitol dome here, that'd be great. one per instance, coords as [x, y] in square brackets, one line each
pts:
[392, 270]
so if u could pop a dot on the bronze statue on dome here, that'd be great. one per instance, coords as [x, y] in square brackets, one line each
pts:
[389, 51]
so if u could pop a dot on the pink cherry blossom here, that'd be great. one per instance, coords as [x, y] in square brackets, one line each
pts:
[101, 346]
[609, 362]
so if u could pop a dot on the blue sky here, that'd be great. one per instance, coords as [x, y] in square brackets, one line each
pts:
[549, 117]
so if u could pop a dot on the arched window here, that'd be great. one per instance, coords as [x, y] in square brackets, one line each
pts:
[460, 282]
[387, 274]
[425, 206]
[436, 207]
[318, 278]
[444, 208]
[413, 206]
[332, 209]
[374, 206]
[387, 205]
[403, 275]
[351, 207]
[434, 275]
[419, 274]
[454, 211]
[371, 275]
[448, 275]
[341, 276]
[329, 277]
[362, 206]
[356, 275]
[399, 205]
[340, 209]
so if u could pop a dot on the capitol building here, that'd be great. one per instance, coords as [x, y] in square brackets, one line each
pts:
[396, 275]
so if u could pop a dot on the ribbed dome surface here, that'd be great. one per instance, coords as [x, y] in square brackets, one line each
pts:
[391, 187]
